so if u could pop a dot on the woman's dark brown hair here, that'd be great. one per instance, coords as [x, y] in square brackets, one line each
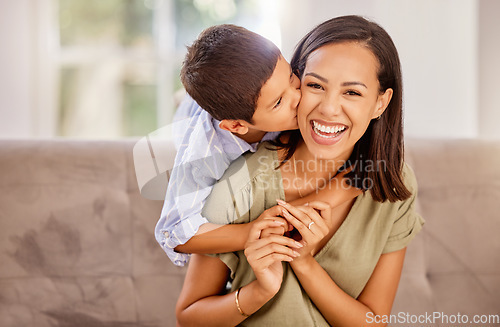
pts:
[383, 139]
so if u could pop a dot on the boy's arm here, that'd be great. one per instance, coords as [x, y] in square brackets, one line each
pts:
[190, 183]
[187, 230]
[213, 238]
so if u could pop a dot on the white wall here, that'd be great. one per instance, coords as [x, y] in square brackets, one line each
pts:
[437, 44]
[489, 69]
[16, 69]
[27, 86]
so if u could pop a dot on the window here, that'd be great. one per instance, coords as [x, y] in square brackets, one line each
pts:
[117, 62]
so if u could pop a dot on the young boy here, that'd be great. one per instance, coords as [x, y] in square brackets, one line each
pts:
[245, 93]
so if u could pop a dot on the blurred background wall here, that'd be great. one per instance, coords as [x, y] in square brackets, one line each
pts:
[109, 69]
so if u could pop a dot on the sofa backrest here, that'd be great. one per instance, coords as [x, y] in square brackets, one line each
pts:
[77, 243]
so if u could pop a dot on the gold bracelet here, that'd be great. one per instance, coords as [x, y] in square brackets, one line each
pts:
[236, 296]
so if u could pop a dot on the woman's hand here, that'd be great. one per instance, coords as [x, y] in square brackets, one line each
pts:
[266, 254]
[273, 213]
[312, 221]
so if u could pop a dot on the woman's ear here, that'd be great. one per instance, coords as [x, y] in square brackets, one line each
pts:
[234, 126]
[382, 103]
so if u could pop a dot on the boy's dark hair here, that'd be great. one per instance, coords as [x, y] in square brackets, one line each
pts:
[383, 139]
[225, 69]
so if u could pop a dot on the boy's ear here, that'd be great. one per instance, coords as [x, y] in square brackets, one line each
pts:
[234, 126]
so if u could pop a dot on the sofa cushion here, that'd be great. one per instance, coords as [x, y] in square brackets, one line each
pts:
[454, 265]
[77, 239]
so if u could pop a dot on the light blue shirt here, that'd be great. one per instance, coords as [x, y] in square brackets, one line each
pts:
[204, 152]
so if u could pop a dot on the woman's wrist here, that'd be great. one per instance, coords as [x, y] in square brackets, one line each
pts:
[263, 294]
[237, 301]
[251, 298]
[303, 263]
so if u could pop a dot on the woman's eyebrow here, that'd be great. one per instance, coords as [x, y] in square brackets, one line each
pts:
[354, 83]
[321, 78]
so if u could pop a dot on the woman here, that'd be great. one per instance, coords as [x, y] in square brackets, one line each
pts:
[340, 267]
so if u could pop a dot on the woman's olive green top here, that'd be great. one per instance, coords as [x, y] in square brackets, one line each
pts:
[252, 184]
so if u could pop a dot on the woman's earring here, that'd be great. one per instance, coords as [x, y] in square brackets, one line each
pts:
[378, 118]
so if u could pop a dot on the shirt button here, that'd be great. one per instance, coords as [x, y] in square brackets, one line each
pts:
[166, 233]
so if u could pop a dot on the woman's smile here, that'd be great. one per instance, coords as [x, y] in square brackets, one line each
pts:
[327, 133]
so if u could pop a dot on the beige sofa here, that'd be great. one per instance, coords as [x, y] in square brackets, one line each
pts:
[77, 244]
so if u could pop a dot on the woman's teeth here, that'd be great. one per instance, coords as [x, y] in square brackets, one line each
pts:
[330, 131]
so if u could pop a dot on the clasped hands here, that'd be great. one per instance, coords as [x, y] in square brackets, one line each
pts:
[285, 233]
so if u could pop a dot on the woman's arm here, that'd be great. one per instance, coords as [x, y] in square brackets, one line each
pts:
[336, 306]
[201, 302]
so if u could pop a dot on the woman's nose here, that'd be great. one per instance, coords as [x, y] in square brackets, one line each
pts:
[330, 106]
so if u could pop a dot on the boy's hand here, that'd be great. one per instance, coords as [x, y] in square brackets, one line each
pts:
[273, 213]
[311, 221]
[275, 230]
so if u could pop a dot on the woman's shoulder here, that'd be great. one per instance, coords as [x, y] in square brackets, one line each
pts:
[244, 176]
[396, 222]
[251, 164]
[264, 160]
[410, 181]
